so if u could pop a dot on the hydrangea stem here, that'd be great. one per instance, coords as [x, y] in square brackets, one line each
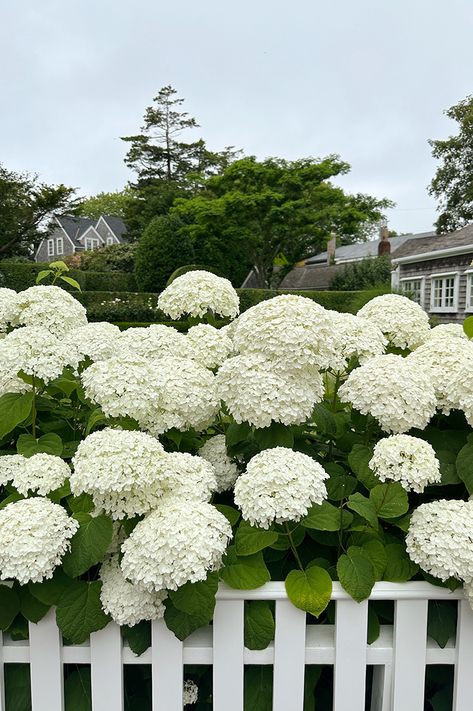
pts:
[293, 547]
[33, 408]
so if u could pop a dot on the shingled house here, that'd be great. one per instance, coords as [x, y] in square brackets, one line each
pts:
[438, 273]
[77, 234]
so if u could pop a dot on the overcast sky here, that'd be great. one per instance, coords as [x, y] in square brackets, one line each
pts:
[368, 79]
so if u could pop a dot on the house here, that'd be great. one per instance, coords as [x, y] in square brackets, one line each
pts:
[438, 273]
[76, 234]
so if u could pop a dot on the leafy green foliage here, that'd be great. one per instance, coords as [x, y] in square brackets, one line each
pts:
[89, 544]
[365, 274]
[356, 573]
[309, 589]
[14, 409]
[258, 689]
[244, 572]
[78, 691]
[326, 517]
[79, 611]
[138, 636]
[442, 621]
[399, 567]
[259, 624]
[50, 443]
[389, 500]
[9, 606]
[251, 539]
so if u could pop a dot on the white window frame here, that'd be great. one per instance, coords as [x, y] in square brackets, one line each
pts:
[93, 242]
[110, 240]
[59, 245]
[469, 284]
[50, 248]
[444, 309]
[422, 286]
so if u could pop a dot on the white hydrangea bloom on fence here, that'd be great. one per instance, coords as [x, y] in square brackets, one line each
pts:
[357, 337]
[190, 693]
[51, 308]
[215, 451]
[97, 341]
[34, 535]
[41, 473]
[279, 485]
[197, 292]
[408, 460]
[10, 464]
[9, 308]
[189, 476]
[37, 352]
[447, 331]
[403, 322]
[151, 342]
[207, 345]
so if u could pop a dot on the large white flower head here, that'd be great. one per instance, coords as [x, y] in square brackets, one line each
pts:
[439, 539]
[9, 380]
[446, 361]
[288, 328]
[197, 292]
[41, 473]
[393, 390]
[122, 470]
[178, 543]
[50, 308]
[9, 308]
[189, 477]
[403, 322]
[97, 341]
[279, 485]
[127, 604]
[447, 331]
[10, 464]
[34, 536]
[226, 471]
[37, 352]
[190, 693]
[207, 345]
[357, 338]
[409, 460]
[152, 342]
[260, 391]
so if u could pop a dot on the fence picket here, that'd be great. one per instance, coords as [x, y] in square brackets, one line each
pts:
[228, 645]
[463, 685]
[289, 657]
[350, 655]
[106, 672]
[410, 643]
[47, 678]
[167, 670]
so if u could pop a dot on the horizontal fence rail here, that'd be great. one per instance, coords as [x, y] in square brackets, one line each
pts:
[399, 656]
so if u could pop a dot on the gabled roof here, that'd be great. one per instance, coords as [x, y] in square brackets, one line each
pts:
[362, 250]
[117, 226]
[459, 241]
[90, 232]
[74, 226]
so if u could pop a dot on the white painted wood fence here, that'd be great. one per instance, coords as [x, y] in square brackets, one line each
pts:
[399, 656]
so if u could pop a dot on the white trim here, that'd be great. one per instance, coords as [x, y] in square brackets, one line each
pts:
[50, 246]
[62, 228]
[93, 241]
[456, 283]
[111, 239]
[59, 240]
[84, 235]
[434, 275]
[469, 283]
[102, 219]
[425, 256]
[422, 286]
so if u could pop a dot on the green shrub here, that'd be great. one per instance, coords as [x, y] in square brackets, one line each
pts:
[190, 268]
[120, 306]
[114, 258]
[20, 275]
[109, 281]
[345, 301]
[161, 249]
[365, 274]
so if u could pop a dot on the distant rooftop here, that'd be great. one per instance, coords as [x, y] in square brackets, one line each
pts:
[362, 250]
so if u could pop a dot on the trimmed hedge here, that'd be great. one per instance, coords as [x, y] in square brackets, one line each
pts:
[21, 275]
[345, 301]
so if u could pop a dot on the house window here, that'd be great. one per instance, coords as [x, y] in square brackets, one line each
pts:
[444, 292]
[91, 243]
[469, 291]
[50, 248]
[59, 246]
[413, 288]
[110, 240]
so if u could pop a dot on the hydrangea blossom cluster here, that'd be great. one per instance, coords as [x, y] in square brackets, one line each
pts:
[393, 390]
[37, 352]
[175, 544]
[9, 308]
[293, 330]
[152, 342]
[9, 465]
[259, 391]
[357, 338]
[439, 539]
[50, 308]
[446, 331]
[207, 345]
[226, 471]
[279, 485]
[97, 341]
[127, 604]
[40, 473]
[404, 323]
[197, 292]
[408, 460]
[34, 536]
[189, 477]
[122, 470]
[190, 693]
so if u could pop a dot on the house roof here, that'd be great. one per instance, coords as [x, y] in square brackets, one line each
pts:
[117, 226]
[425, 246]
[75, 227]
[362, 250]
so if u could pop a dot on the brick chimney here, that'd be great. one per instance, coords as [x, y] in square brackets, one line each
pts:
[331, 247]
[384, 245]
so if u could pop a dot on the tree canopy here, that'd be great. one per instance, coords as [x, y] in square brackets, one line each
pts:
[452, 184]
[257, 212]
[114, 203]
[26, 207]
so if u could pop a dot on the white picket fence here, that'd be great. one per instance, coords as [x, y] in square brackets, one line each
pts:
[399, 656]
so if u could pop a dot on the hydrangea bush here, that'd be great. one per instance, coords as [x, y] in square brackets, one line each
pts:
[140, 468]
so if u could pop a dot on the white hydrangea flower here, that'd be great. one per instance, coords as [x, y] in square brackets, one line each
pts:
[41, 473]
[279, 485]
[190, 693]
[127, 604]
[189, 477]
[50, 308]
[439, 539]
[178, 543]
[447, 362]
[152, 342]
[122, 470]
[258, 391]
[9, 308]
[215, 451]
[207, 345]
[403, 322]
[290, 329]
[37, 352]
[408, 460]
[97, 341]
[9, 380]
[393, 390]
[34, 536]
[446, 331]
[10, 464]
[197, 292]
[357, 338]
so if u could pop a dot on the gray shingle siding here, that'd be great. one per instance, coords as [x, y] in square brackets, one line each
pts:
[42, 254]
[72, 230]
